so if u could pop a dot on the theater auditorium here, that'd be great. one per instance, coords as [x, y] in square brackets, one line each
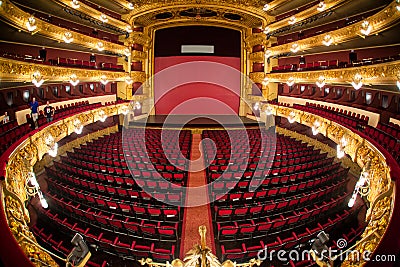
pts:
[199, 133]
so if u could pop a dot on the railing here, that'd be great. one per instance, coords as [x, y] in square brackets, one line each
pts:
[16, 162]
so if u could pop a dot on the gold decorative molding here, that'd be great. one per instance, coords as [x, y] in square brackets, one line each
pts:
[257, 57]
[14, 70]
[256, 39]
[329, 4]
[250, 10]
[22, 160]
[362, 152]
[94, 13]
[379, 22]
[139, 38]
[19, 18]
[384, 73]
[257, 77]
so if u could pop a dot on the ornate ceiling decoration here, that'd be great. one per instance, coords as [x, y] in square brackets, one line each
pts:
[198, 14]
[248, 13]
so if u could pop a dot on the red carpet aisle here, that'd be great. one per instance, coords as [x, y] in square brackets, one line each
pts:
[196, 216]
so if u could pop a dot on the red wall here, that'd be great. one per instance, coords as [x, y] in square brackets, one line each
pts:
[197, 85]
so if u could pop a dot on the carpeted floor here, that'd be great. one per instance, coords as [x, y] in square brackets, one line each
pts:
[198, 215]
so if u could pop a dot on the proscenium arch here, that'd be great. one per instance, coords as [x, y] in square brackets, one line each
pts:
[151, 31]
[252, 11]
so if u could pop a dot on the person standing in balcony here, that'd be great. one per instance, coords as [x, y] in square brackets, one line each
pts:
[6, 118]
[34, 105]
[49, 112]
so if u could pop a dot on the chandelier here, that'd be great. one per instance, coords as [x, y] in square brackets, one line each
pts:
[357, 82]
[366, 28]
[315, 127]
[37, 79]
[362, 186]
[265, 82]
[75, 4]
[320, 82]
[32, 188]
[78, 126]
[103, 79]
[268, 110]
[73, 80]
[67, 37]
[51, 145]
[292, 117]
[295, 48]
[321, 6]
[290, 81]
[31, 24]
[292, 20]
[100, 46]
[340, 147]
[102, 116]
[328, 40]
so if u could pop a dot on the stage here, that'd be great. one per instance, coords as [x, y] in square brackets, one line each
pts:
[195, 121]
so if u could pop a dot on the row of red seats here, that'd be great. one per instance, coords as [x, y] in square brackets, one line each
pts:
[79, 63]
[113, 243]
[233, 212]
[260, 208]
[147, 229]
[349, 114]
[253, 229]
[242, 252]
[387, 141]
[57, 244]
[99, 193]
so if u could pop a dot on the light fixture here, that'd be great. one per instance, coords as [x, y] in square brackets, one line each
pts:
[328, 40]
[295, 48]
[128, 80]
[256, 106]
[398, 8]
[103, 18]
[292, 20]
[268, 110]
[266, 30]
[78, 126]
[357, 81]
[290, 81]
[100, 46]
[124, 110]
[67, 37]
[102, 116]
[320, 82]
[265, 82]
[51, 145]
[366, 28]
[128, 28]
[362, 186]
[131, 6]
[103, 79]
[137, 105]
[268, 53]
[265, 7]
[73, 80]
[398, 83]
[315, 127]
[340, 148]
[75, 4]
[127, 52]
[292, 117]
[37, 79]
[32, 188]
[321, 6]
[31, 24]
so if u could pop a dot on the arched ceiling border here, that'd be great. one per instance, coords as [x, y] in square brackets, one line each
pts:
[258, 13]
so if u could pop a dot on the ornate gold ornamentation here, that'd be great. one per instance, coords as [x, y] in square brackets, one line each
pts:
[250, 10]
[18, 17]
[383, 73]
[381, 195]
[28, 154]
[329, 4]
[381, 21]
[14, 70]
